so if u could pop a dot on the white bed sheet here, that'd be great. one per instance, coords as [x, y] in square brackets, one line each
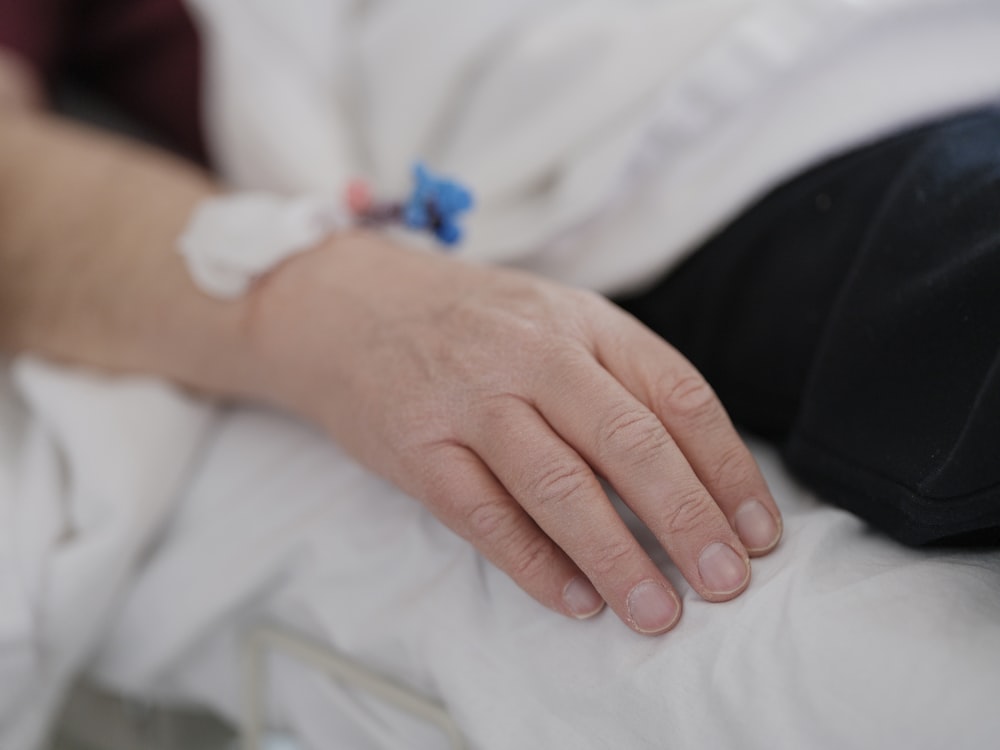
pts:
[843, 640]
[580, 125]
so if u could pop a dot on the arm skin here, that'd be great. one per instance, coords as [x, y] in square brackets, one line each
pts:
[88, 273]
[495, 398]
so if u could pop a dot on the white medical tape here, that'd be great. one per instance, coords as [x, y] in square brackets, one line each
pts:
[234, 239]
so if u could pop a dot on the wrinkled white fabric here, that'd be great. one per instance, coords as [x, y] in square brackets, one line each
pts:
[843, 640]
[603, 138]
[89, 468]
[139, 528]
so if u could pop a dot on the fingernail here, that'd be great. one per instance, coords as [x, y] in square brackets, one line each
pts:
[722, 570]
[582, 599]
[652, 608]
[756, 526]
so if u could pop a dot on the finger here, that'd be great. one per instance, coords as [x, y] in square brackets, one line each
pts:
[662, 379]
[632, 449]
[466, 496]
[565, 499]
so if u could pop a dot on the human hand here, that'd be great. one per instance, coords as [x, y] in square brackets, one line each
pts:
[498, 399]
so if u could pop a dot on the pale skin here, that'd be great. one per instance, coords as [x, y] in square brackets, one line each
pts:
[495, 398]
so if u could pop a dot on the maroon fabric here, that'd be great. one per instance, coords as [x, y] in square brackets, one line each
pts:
[32, 28]
[143, 55]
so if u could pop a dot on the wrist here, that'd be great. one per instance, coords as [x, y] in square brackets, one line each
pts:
[243, 254]
[292, 317]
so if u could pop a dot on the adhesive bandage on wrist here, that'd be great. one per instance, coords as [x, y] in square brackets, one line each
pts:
[235, 239]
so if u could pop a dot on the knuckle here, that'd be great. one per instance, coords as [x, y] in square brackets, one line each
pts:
[589, 296]
[531, 336]
[562, 353]
[493, 412]
[513, 546]
[487, 521]
[636, 433]
[690, 397]
[733, 470]
[689, 511]
[592, 302]
[609, 559]
[529, 557]
[559, 482]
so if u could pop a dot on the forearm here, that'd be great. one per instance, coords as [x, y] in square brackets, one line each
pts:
[88, 268]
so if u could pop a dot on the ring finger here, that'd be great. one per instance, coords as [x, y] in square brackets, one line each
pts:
[560, 492]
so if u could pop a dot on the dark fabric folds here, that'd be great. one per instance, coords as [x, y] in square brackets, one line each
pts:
[853, 317]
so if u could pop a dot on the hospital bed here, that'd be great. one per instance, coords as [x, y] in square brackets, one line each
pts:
[295, 595]
[844, 639]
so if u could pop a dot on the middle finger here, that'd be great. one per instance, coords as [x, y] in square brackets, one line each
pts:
[561, 493]
[630, 447]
